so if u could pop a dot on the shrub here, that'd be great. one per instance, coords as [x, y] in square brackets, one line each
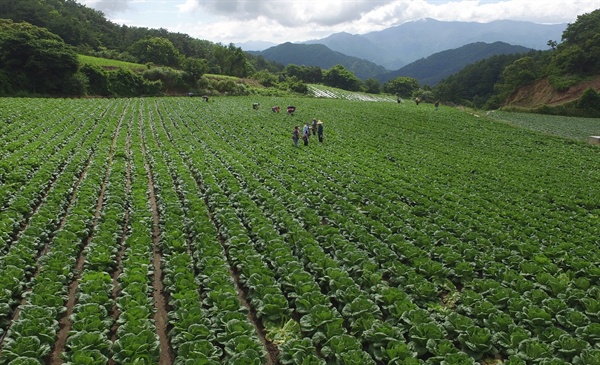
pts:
[589, 100]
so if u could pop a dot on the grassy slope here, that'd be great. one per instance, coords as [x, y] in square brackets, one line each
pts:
[108, 63]
[569, 127]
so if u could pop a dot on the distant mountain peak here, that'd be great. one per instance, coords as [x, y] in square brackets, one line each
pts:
[396, 46]
[320, 55]
[255, 45]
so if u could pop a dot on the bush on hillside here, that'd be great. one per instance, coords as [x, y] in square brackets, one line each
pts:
[589, 100]
[172, 80]
[124, 82]
[563, 82]
[98, 80]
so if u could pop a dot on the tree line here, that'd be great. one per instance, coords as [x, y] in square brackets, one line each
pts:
[40, 42]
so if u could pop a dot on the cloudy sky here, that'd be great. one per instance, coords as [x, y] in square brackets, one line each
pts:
[279, 21]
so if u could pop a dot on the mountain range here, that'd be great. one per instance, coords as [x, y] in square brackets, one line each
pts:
[375, 54]
[438, 66]
[397, 46]
[321, 56]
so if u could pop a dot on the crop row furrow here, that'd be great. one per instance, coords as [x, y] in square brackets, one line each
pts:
[31, 127]
[33, 333]
[359, 310]
[85, 327]
[421, 263]
[19, 168]
[133, 335]
[178, 256]
[26, 202]
[21, 261]
[273, 308]
[261, 227]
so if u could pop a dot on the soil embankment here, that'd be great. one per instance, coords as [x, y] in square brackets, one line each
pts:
[542, 93]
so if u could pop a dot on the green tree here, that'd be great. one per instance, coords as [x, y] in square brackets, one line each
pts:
[308, 74]
[265, 78]
[476, 83]
[172, 81]
[338, 76]
[194, 68]
[156, 50]
[519, 73]
[293, 70]
[402, 86]
[231, 60]
[372, 86]
[312, 74]
[124, 82]
[552, 44]
[590, 99]
[35, 60]
[580, 51]
[98, 82]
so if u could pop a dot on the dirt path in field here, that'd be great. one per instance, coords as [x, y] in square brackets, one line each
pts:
[270, 347]
[64, 322]
[160, 297]
[46, 247]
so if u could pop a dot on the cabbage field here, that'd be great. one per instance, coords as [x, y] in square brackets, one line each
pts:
[177, 231]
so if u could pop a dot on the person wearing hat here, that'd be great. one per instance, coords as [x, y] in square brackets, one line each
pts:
[320, 131]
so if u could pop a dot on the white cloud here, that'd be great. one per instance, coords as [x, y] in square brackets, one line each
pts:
[108, 7]
[278, 21]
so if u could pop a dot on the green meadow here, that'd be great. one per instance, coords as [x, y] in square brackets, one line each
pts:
[108, 63]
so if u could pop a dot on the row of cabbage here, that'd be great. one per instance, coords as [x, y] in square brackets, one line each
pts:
[387, 243]
[39, 264]
[450, 271]
[210, 323]
[104, 222]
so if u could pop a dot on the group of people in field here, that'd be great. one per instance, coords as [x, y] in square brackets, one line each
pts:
[317, 129]
[290, 109]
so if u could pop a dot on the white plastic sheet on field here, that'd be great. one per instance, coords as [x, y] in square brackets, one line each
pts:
[320, 92]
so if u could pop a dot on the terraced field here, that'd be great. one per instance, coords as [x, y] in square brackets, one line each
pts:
[176, 231]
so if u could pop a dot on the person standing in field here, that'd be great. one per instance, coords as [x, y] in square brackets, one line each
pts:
[320, 131]
[314, 126]
[437, 105]
[305, 134]
[295, 136]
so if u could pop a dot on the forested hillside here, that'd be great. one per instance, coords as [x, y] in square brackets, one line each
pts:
[431, 70]
[40, 44]
[323, 57]
[491, 82]
[29, 26]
